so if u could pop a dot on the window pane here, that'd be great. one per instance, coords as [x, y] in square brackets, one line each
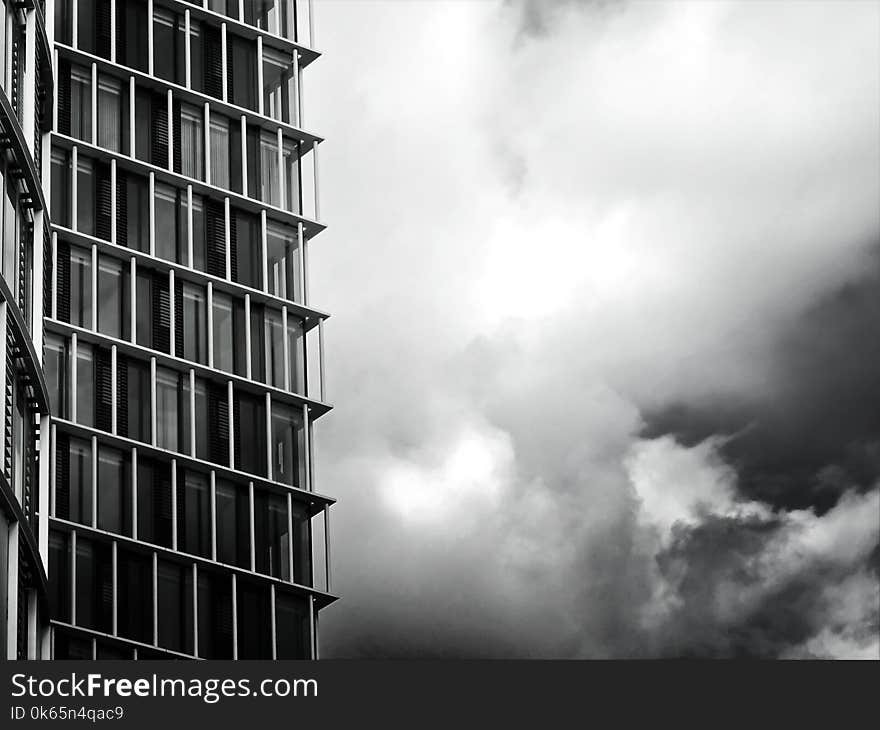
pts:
[215, 615]
[302, 545]
[195, 342]
[220, 151]
[167, 46]
[167, 208]
[269, 190]
[288, 442]
[112, 296]
[278, 88]
[274, 344]
[61, 180]
[85, 196]
[59, 569]
[139, 398]
[109, 113]
[296, 348]
[282, 252]
[270, 534]
[292, 626]
[81, 287]
[114, 488]
[175, 606]
[137, 223]
[222, 335]
[194, 520]
[192, 142]
[81, 103]
[233, 531]
[254, 621]
[154, 502]
[85, 385]
[291, 169]
[167, 415]
[55, 365]
[135, 596]
[249, 248]
[200, 243]
[80, 486]
[250, 433]
[94, 586]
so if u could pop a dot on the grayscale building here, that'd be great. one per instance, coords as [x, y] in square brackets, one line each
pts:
[158, 482]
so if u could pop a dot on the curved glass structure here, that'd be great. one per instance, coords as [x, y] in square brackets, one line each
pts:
[163, 362]
[26, 87]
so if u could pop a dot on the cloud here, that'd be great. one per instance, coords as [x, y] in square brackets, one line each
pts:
[603, 313]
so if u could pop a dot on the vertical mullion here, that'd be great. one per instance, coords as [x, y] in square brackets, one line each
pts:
[54, 311]
[264, 244]
[113, 31]
[286, 348]
[323, 387]
[192, 411]
[115, 584]
[213, 515]
[155, 598]
[260, 108]
[227, 235]
[208, 171]
[170, 131]
[327, 546]
[279, 156]
[150, 39]
[244, 161]
[152, 214]
[94, 287]
[232, 434]
[114, 399]
[189, 226]
[306, 434]
[172, 313]
[303, 283]
[271, 466]
[133, 298]
[247, 336]
[131, 116]
[290, 555]
[153, 424]
[253, 549]
[113, 201]
[94, 485]
[234, 618]
[210, 328]
[272, 621]
[94, 131]
[195, 608]
[74, 187]
[187, 44]
[134, 489]
[73, 573]
[174, 516]
[223, 52]
[74, 346]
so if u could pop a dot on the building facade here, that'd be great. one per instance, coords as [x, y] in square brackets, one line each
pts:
[170, 361]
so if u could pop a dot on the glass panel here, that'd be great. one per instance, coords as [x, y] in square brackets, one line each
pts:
[251, 434]
[60, 187]
[291, 169]
[202, 424]
[200, 241]
[274, 344]
[278, 86]
[59, 569]
[292, 627]
[282, 252]
[270, 534]
[224, 342]
[168, 46]
[85, 19]
[192, 142]
[81, 287]
[249, 248]
[167, 208]
[167, 384]
[197, 55]
[85, 385]
[81, 103]
[175, 606]
[302, 545]
[85, 196]
[254, 621]
[112, 297]
[215, 615]
[195, 321]
[135, 596]
[114, 490]
[288, 442]
[154, 502]
[194, 521]
[80, 486]
[269, 190]
[137, 221]
[110, 113]
[233, 530]
[94, 585]
[55, 365]
[296, 347]
[139, 399]
[220, 151]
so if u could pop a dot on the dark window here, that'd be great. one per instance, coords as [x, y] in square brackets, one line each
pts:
[215, 615]
[85, 196]
[271, 541]
[135, 596]
[302, 544]
[55, 363]
[112, 114]
[73, 479]
[233, 526]
[241, 57]
[250, 433]
[153, 312]
[131, 34]
[138, 399]
[133, 205]
[114, 490]
[254, 621]
[114, 299]
[282, 253]
[60, 190]
[154, 502]
[85, 385]
[85, 25]
[193, 513]
[175, 606]
[59, 569]
[168, 46]
[291, 627]
[94, 585]
[247, 248]
[110, 650]
[72, 647]
[63, 21]
[288, 441]
[192, 311]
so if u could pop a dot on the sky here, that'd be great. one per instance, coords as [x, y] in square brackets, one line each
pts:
[604, 353]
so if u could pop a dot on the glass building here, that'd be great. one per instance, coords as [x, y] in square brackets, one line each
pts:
[158, 466]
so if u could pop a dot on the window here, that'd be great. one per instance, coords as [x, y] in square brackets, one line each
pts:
[60, 187]
[279, 91]
[134, 209]
[168, 46]
[55, 357]
[200, 243]
[193, 311]
[169, 244]
[131, 24]
[167, 412]
[85, 20]
[94, 585]
[73, 498]
[282, 253]
[247, 248]
[291, 172]
[154, 502]
[254, 620]
[193, 513]
[292, 627]
[112, 115]
[241, 75]
[220, 151]
[63, 21]
[233, 527]
[114, 490]
[271, 540]
[250, 433]
[296, 349]
[302, 544]
[269, 191]
[135, 595]
[197, 55]
[85, 385]
[202, 424]
[59, 569]
[138, 399]
[153, 311]
[229, 334]
[215, 615]
[274, 344]
[113, 298]
[288, 443]
[274, 16]
[81, 287]
[192, 142]
[81, 103]
[174, 584]
[85, 196]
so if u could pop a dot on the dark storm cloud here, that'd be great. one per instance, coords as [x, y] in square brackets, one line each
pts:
[816, 433]
[602, 298]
